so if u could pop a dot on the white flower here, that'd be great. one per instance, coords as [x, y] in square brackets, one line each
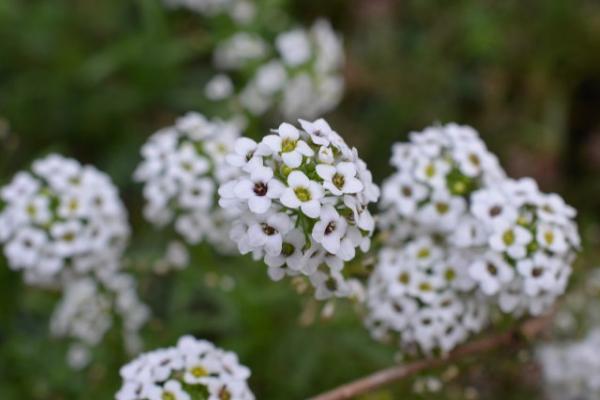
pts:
[330, 229]
[512, 239]
[320, 132]
[270, 77]
[340, 179]
[491, 272]
[303, 193]
[552, 238]
[321, 209]
[493, 207]
[291, 253]
[181, 372]
[182, 166]
[404, 193]
[294, 47]
[259, 190]
[269, 232]
[288, 144]
[219, 87]
[62, 216]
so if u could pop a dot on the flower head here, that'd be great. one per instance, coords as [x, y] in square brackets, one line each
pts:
[181, 169]
[61, 217]
[192, 369]
[303, 216]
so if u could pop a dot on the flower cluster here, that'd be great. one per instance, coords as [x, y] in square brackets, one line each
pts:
[241, 11]
[303, 79]
[194, 369]
[510, 243]
[181, 169]
[572, 370]
[531, 242]
[436, 173]
[87, 311]
[417, 294]
[61, 217]
[302, 195]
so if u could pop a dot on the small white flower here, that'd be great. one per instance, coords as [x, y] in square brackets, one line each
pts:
[288, 144]
[551, 238]
[491, 272]
[219, 87]
[303, 193]
[319, 131]
[259, 190]
[512, 239]
[269, 233]
[329, 229]
[340, 179]
[294, 47]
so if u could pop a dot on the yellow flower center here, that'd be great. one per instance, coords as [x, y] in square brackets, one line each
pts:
[303, 194]
[508, 238]
[168, 396]
[288, 145]
[338, 180]
[198, 371]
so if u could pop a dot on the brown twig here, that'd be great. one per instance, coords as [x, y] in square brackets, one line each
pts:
[526, 331]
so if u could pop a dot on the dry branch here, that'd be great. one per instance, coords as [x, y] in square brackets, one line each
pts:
[519, 335]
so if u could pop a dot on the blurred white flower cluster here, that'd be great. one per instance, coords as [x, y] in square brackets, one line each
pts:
[532, 240]
[303, 80]
[302, 197]
[571, 370]
[64, 225]
[194, 369]
[418, 292]
[507, 242]
[87, 311]
[241, 11]
[181, 169]
[61, 218]
[261, 66]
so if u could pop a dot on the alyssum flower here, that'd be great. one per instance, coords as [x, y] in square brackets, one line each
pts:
[182, 167]
[436, 173]
[193, 369]
[61, 217]
[305, 214]
[421, 294]
[532, 241]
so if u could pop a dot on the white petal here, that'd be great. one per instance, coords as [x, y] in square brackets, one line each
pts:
[243, 189]
[259, 205]
[326, 171]
[289, 199]
[311, 208]
[288, 131]
[273, 142]
[292, 159]
[297, 178]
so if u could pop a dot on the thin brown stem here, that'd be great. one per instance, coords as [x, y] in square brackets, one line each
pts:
[519, 335]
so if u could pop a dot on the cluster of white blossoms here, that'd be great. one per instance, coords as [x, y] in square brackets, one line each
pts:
[417, 294]
[240, 11]
[571, 370]
[181, 169]
[61, 217]
[88, 310]
[532, 240]
[303, 79]
[436, 173]
[302, 198]
[194, 369]
[509, 243]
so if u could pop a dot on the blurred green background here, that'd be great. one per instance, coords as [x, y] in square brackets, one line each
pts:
[92, 79]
